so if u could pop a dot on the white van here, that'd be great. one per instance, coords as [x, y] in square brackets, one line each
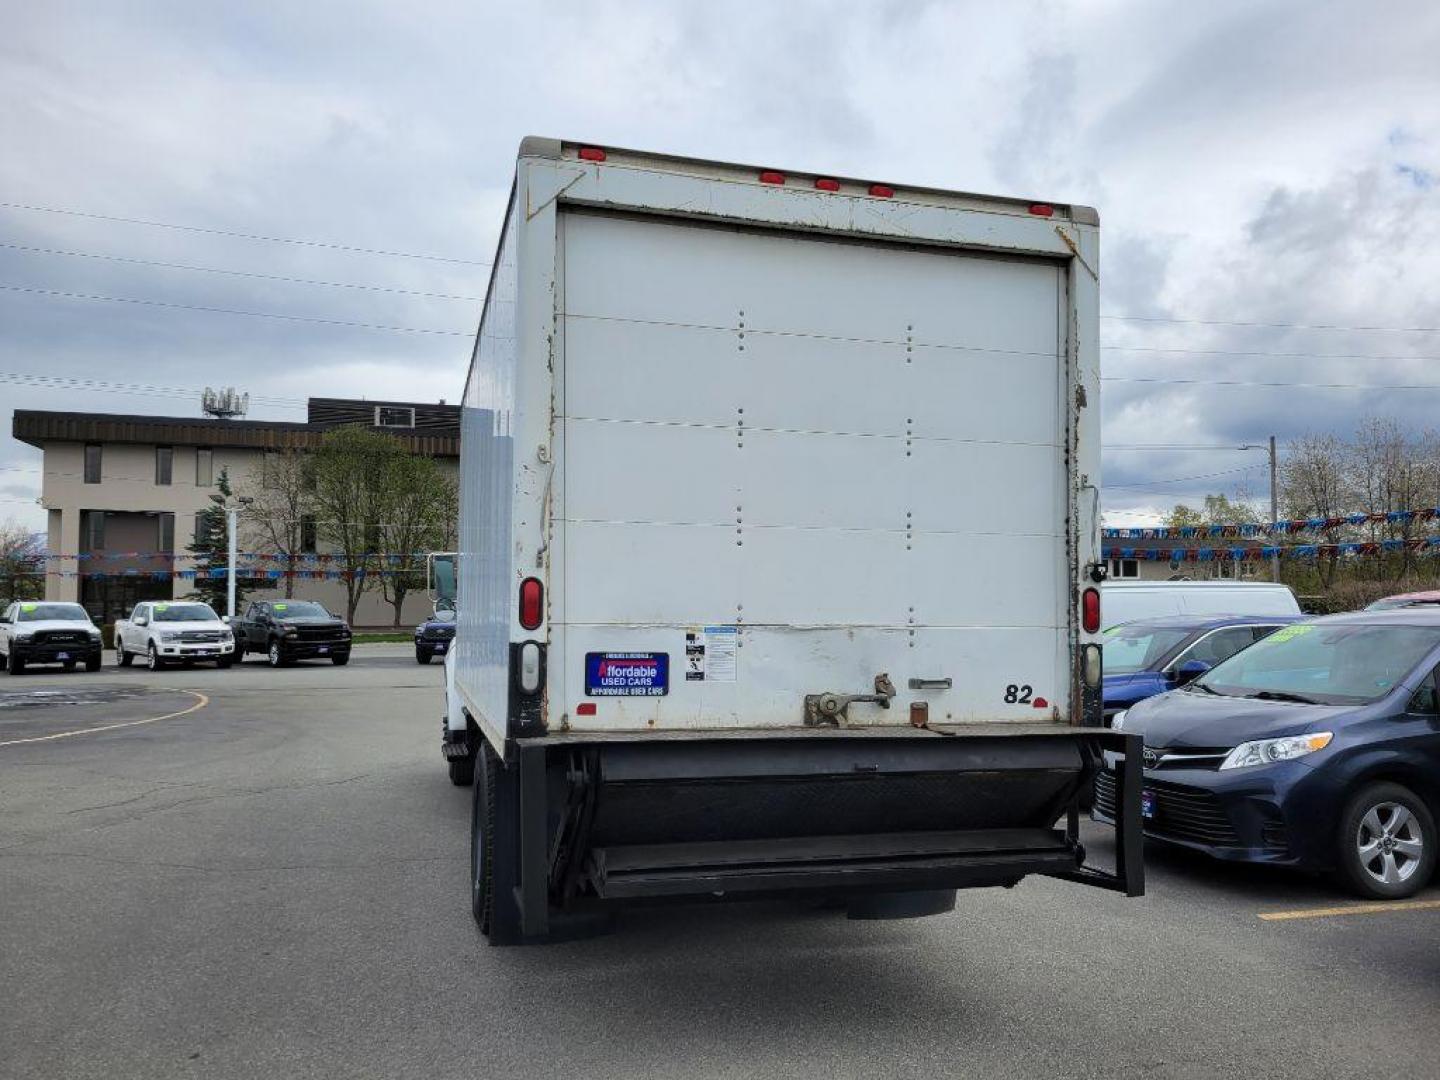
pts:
[1126, 601]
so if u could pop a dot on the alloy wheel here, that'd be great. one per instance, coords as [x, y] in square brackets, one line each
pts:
[1390, 843]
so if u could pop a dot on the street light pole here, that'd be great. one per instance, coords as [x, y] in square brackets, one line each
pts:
[232, 516]
[1274, 507]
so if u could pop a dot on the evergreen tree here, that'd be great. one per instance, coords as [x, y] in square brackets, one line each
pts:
[211, 550]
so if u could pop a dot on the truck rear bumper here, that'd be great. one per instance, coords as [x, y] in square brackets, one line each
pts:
[613, 820]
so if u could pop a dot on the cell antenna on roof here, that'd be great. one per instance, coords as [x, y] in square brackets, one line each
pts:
[226, 403]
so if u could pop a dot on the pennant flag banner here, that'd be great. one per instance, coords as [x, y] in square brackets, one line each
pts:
[1423, 545]
[1274, 528]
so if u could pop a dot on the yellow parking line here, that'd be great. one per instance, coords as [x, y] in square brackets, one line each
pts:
[1353, 909]
[199, 704]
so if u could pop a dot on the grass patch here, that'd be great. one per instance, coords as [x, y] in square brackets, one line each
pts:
[364, 637]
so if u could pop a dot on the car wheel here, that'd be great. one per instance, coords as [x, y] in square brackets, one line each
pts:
[1387, 842]
[13, 664]
[239, 655]
[152, 658]
[340, 659]
[421, 656]
[92, 663]
[276, 657]
[123, 658]
[69, 665]
[224, 661]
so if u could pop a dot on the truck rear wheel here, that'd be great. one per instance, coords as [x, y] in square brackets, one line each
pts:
[494, 858]
[123, 658]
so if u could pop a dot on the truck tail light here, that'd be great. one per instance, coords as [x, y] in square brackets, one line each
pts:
[1090, 611]
[591, 153]
[770, 176]
[882, 191]
[532, 603]
[826, 184]
[1041, 209]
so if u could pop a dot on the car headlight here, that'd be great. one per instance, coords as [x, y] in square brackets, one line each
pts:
[1267, 751]
[24, 635]
[94, 635]
[1117, 722]
[227, 635]
[170, 635]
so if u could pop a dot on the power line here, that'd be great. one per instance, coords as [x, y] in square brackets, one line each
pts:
[232, 311]
[1269, 385]
[65, 382]
[241, 235]
[1253, 352]
[1181, 446]
[1178, 480]
[235, 273]
[1274, 325]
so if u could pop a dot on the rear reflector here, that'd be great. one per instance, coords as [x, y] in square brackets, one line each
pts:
[585, 708]
[591, 153]
[825, 184]
[769, 177]
[532, 609]
[1091, 668]
[530, 667]
[1041, 210]
[1090, 611]
[880, 191]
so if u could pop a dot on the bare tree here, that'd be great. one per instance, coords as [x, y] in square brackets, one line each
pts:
[418, 518]
[22, 563]
[1313, 483]
[349, 500]
[281, 510]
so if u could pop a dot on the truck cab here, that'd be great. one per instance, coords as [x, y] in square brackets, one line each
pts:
[45, 632]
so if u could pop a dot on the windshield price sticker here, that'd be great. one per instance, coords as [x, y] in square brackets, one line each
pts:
[1285, 633]
[626, 674]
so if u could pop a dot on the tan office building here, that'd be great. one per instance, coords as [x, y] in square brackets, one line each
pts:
[123, 494]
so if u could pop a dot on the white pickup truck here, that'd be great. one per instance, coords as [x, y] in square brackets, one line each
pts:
[38, 632]
[173, 632]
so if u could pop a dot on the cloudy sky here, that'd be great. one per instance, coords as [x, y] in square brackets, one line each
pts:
[1254, 163]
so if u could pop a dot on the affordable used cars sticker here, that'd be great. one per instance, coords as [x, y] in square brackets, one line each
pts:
[627, 674]
[1285, 633]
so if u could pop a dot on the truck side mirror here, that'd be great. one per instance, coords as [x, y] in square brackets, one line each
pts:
[1189, 671]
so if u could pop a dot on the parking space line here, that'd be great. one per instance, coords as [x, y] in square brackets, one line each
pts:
[1352, 909]
[200, 703]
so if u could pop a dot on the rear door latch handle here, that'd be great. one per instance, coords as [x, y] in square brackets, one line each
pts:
[829, 708]
[931, 684]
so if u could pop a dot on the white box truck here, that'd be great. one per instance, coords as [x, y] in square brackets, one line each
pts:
[779, 544]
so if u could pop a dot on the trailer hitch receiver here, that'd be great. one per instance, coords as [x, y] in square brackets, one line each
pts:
[829, 708]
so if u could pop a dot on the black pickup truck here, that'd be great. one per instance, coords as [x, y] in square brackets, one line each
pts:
[284, 631]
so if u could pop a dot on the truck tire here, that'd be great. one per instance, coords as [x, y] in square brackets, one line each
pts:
[276, 655]
[239, 657]
[494, 850]
[92, 663]
[13, 664]
[340, 660]
[224, 661]
[421, 656]
[152, 658]
[1387, 841]
[123, 658]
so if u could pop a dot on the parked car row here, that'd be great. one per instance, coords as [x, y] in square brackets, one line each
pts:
[1269, 738]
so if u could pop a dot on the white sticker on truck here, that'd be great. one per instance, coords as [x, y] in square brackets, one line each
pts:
[721, 653]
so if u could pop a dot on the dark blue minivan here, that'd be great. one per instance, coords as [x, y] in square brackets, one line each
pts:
[1317, 747]
[1151, 656]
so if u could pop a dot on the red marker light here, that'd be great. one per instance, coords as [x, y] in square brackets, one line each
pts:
[1039, 209]
[769, 176]
[591, 153]
[1040, 703]
[826, 184]
[585, 708]
[532, 609]
[880, 191]
[1090, 611]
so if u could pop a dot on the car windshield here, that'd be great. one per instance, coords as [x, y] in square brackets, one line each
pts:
[38, 612]
[443, 615]
[1137, 647]
[1330, 664]
[184, 613]
[300, 609]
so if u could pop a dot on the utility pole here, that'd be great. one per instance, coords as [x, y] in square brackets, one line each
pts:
[1274, 507]
[232, 515]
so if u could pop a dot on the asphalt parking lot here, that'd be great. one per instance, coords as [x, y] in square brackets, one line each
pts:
[263, 873]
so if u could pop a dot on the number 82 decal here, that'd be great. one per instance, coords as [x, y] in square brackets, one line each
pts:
[1018, 695]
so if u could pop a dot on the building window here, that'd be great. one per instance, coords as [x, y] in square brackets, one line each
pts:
[166, 532]
[1123, 568]
[164, 461]
[204, 467]
[92, 463]
[398, 416]
[202, 517]
[308, 537]
[92, 531]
